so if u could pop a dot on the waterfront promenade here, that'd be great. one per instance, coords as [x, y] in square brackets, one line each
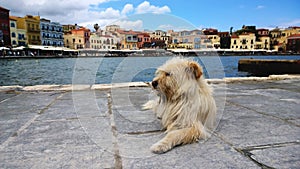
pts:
[103, 126]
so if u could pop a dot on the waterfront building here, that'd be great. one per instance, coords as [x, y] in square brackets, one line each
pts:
[244, 41]
[102, 40]
[213, 36]
[275, 34]
[31, 24]
[194, 39]
[263, 39]
[18, 33]
[159, 35]
[13, 31]
[77, 38]
[51, 33]
[5, 38]
[68, 28]
[279, 37]
[128, 39]
[293, 43]
[144, 41]
[225, 40]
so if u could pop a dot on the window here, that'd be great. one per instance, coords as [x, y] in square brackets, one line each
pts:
[12, 25]
[13, 34]
[234, 42]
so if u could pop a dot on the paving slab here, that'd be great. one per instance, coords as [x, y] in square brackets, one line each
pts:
[95, 127]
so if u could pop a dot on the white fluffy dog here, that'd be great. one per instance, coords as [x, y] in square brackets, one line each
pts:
[185, 106]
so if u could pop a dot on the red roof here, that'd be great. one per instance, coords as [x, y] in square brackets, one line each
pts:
[295, 36]
[234, 36]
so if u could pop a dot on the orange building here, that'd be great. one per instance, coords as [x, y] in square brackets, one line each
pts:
[78, 38]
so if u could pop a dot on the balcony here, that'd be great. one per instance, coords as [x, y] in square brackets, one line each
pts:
[33, 30]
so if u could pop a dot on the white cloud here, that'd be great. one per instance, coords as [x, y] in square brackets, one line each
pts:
[295, 22]
[84, 13]
[167, 27]
[146, 7]
[134, 25]
[109, 13]
[127, 8]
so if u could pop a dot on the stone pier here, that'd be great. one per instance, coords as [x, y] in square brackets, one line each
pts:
[103, 126]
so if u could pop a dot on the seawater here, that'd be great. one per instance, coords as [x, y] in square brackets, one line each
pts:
[27, 72]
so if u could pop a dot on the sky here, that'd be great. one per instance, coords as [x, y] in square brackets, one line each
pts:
[163, 14]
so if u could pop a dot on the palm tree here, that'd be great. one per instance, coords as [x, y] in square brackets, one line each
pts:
[96, 27]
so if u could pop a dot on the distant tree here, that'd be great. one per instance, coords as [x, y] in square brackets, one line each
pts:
[231, 30]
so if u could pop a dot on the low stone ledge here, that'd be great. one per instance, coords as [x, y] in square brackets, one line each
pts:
[118, 85]
[137, 84]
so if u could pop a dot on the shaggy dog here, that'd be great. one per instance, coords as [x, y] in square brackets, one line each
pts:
[185, 106]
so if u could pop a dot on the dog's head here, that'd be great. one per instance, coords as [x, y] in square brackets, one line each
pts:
[176, 76]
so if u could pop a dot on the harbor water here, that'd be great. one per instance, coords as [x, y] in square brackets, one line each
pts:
[32, 71]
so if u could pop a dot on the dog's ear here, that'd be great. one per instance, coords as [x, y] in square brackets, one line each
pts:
[195, 69]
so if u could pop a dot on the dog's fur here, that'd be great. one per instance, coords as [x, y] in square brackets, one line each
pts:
[185, 106]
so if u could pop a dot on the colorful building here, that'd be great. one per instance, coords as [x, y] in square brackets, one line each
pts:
[13, 31]
[245, 41]
[293, 43]
[128, 39]
[213, 36]
[51, 33]
[263, 39]
[144, 41]
[194, 39]
[18, 33]
[32, 25]
[102, 41]
[225, 40]
[4, 27]
[78, 38]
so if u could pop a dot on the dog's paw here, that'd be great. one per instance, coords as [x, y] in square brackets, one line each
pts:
[149, 105]
[160, 148]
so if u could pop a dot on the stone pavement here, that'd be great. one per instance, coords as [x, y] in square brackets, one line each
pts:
[104, 127]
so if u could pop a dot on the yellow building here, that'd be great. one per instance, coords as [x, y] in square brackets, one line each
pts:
[279, 37]
[245, 41]
[263, 39]
[18, 33]
[263, 43]
[77, 38]
[128, 39]
[13, 31]
[32, 26]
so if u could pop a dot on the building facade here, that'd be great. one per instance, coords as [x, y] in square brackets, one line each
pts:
[32, 26]
[263, 39]
[51, 33]
[13, 31]
[194, 39]
[103, 41]
[78, 38]
[245, 41]
[293, 43]
[5, 38]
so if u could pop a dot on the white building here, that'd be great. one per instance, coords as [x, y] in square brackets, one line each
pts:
[103, 41]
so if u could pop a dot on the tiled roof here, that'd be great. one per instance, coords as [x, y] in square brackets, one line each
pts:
[295, 36]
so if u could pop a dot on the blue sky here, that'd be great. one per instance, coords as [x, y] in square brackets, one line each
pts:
[220, 14]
